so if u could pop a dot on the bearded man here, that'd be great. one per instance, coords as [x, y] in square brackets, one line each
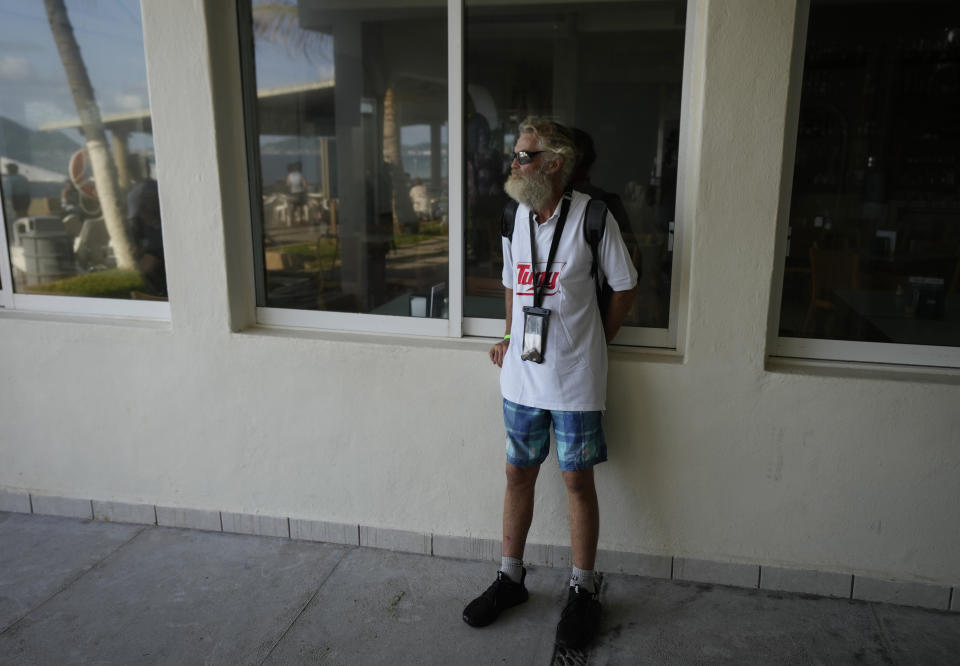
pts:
[554, 367]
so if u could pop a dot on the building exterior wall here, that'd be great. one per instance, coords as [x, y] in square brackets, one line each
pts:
[717, 452]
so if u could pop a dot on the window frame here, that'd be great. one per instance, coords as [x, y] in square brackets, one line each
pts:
[457, 325]
[819, 349]
[11, 301]
[642, 336]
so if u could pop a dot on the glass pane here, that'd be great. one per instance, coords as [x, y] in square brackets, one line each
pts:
[875, 212]
[79, 188]
[351, 117]
[610, 69]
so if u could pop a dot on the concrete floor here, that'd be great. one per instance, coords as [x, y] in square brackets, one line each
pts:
[75, 591]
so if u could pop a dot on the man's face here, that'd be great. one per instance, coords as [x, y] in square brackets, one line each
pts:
[530, 184]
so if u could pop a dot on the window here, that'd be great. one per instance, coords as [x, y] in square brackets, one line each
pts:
[614, 72]
[873, 242]
[378, 190]
[351, 155]
[80, 207]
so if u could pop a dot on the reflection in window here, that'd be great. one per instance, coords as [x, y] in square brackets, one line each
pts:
[351, 150]
[79, 189]
[611, 70]
[875, 212]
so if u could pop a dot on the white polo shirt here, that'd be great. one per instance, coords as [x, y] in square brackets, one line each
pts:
[573, 376]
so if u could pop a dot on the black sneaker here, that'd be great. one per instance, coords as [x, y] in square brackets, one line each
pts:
[580, 619]
[503, 594]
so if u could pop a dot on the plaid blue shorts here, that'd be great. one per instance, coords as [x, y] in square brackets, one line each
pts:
[580, 440]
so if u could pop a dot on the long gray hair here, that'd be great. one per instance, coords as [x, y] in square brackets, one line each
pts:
[555, 138]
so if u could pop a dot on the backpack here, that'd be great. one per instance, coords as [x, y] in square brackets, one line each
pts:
[595, 223]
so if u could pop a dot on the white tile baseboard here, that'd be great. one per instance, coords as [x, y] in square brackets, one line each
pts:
[68, 507]
[752, 576]
[15, 501]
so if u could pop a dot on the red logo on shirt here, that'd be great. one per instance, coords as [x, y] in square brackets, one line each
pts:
[551, 280]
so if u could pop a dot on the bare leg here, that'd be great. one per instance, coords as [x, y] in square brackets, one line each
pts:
[580, 619]
[518, 508]
[506, 591]
[584, 517]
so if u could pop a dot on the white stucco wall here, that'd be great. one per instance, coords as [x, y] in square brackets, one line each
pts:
[715, 452]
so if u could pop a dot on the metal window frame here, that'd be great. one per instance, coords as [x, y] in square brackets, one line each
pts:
[452, 326]
[639, 336]
[456, 325]
[815, 348]
[10, 300]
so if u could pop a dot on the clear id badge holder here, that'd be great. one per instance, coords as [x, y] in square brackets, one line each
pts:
[534, 333]
[536, 318]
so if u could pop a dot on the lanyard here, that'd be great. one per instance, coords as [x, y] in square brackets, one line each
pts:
[539, 279]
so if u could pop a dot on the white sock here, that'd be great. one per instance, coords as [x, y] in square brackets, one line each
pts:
[585, 579]
[512, 568]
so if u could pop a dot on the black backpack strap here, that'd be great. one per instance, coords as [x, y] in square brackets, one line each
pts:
[507, 219]
[595, 223]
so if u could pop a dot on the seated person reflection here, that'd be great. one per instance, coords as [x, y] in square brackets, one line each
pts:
[17, 188]
[146, 236]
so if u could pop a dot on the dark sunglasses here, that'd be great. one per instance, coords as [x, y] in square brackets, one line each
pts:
[525, 156]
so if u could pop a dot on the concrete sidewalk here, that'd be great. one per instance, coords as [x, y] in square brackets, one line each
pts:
[76, 591]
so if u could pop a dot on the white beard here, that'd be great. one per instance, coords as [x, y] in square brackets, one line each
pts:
[534, 190]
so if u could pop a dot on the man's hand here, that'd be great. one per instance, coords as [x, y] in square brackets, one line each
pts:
[498, 352]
